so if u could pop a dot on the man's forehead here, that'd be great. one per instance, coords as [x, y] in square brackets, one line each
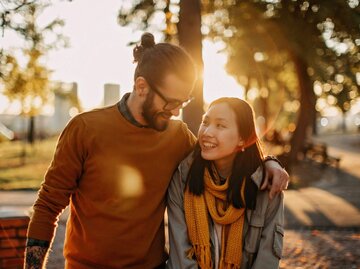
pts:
[174, 85]
[170, 79]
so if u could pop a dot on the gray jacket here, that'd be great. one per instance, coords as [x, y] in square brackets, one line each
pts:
[262, 235]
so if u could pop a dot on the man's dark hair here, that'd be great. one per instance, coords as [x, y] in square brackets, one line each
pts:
[155, 61]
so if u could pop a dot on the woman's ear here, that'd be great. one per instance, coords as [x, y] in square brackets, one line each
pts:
[241, 145]
[141, 87]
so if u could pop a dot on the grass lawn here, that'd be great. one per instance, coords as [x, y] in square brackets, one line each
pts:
[19, 172]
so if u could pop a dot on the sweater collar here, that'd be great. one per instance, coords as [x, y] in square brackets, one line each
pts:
[125, 112]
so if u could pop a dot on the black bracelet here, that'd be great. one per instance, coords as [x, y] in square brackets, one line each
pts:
[32, 242]
[273, 158]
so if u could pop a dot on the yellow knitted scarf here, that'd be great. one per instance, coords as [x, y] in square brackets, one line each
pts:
[213, 201]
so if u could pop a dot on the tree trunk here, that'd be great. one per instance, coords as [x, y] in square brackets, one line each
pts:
[343, 122]
[190, 38]
[23, 140]
[314, 123]
[307, 109]
[31, 130]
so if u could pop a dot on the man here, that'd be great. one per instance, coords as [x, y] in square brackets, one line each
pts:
[113, 166]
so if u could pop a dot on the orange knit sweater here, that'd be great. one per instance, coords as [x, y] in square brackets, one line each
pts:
[115, 176]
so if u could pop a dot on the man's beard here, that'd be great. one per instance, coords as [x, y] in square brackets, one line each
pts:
[155, 119]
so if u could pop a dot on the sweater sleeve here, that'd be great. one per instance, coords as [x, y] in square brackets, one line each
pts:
[60, 181]
[178, 236]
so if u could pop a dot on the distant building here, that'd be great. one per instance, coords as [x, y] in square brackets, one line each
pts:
[65, 101]
[65, 93]
[65, 107]
[111, 94]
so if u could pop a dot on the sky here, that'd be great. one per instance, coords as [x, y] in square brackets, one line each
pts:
[99, 53]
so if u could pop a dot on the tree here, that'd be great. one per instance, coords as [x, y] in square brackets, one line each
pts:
[190, 37]
[29, 84]
[319, 37]
[8, 16]
[183, 27]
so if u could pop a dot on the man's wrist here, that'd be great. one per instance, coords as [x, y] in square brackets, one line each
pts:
[32, 242]
[35, 257]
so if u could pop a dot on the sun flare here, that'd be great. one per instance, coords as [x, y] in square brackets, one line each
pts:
[217, 83]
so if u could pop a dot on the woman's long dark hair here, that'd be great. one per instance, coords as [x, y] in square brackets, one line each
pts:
[245, 163]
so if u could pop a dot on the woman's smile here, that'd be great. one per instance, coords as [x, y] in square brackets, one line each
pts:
[205, 145]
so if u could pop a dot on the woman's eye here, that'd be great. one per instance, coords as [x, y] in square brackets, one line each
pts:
[220, 126]
[204, 123]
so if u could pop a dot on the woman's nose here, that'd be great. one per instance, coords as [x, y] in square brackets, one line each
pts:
[208, 131]
[175, 112]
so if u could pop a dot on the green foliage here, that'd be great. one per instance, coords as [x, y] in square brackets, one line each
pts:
[283, 46]
[323, 34]
[28, 84]
[152, 15]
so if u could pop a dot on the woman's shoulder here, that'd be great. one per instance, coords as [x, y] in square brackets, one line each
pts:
[264, 203]
[265, 207]
[185, 164]
[263, 197]
[178, 181]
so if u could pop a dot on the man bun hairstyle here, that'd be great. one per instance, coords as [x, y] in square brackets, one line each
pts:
[155, 61]
[147, 41]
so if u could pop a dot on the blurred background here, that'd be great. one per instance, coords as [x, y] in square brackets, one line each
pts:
[297, 62]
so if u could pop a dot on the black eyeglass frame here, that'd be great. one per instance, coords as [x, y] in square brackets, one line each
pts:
[170, 104]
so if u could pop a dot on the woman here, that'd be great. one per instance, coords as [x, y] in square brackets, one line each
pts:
[218, 217]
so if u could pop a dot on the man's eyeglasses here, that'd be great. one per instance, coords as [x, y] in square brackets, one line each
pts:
[171, 104]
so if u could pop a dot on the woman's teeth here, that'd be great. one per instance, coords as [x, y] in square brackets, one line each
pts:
[208, 145]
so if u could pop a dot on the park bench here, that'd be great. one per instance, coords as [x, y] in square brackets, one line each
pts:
[318, 152]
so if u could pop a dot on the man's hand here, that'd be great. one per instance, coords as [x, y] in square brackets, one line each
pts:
[276, 178]
[35, 257]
